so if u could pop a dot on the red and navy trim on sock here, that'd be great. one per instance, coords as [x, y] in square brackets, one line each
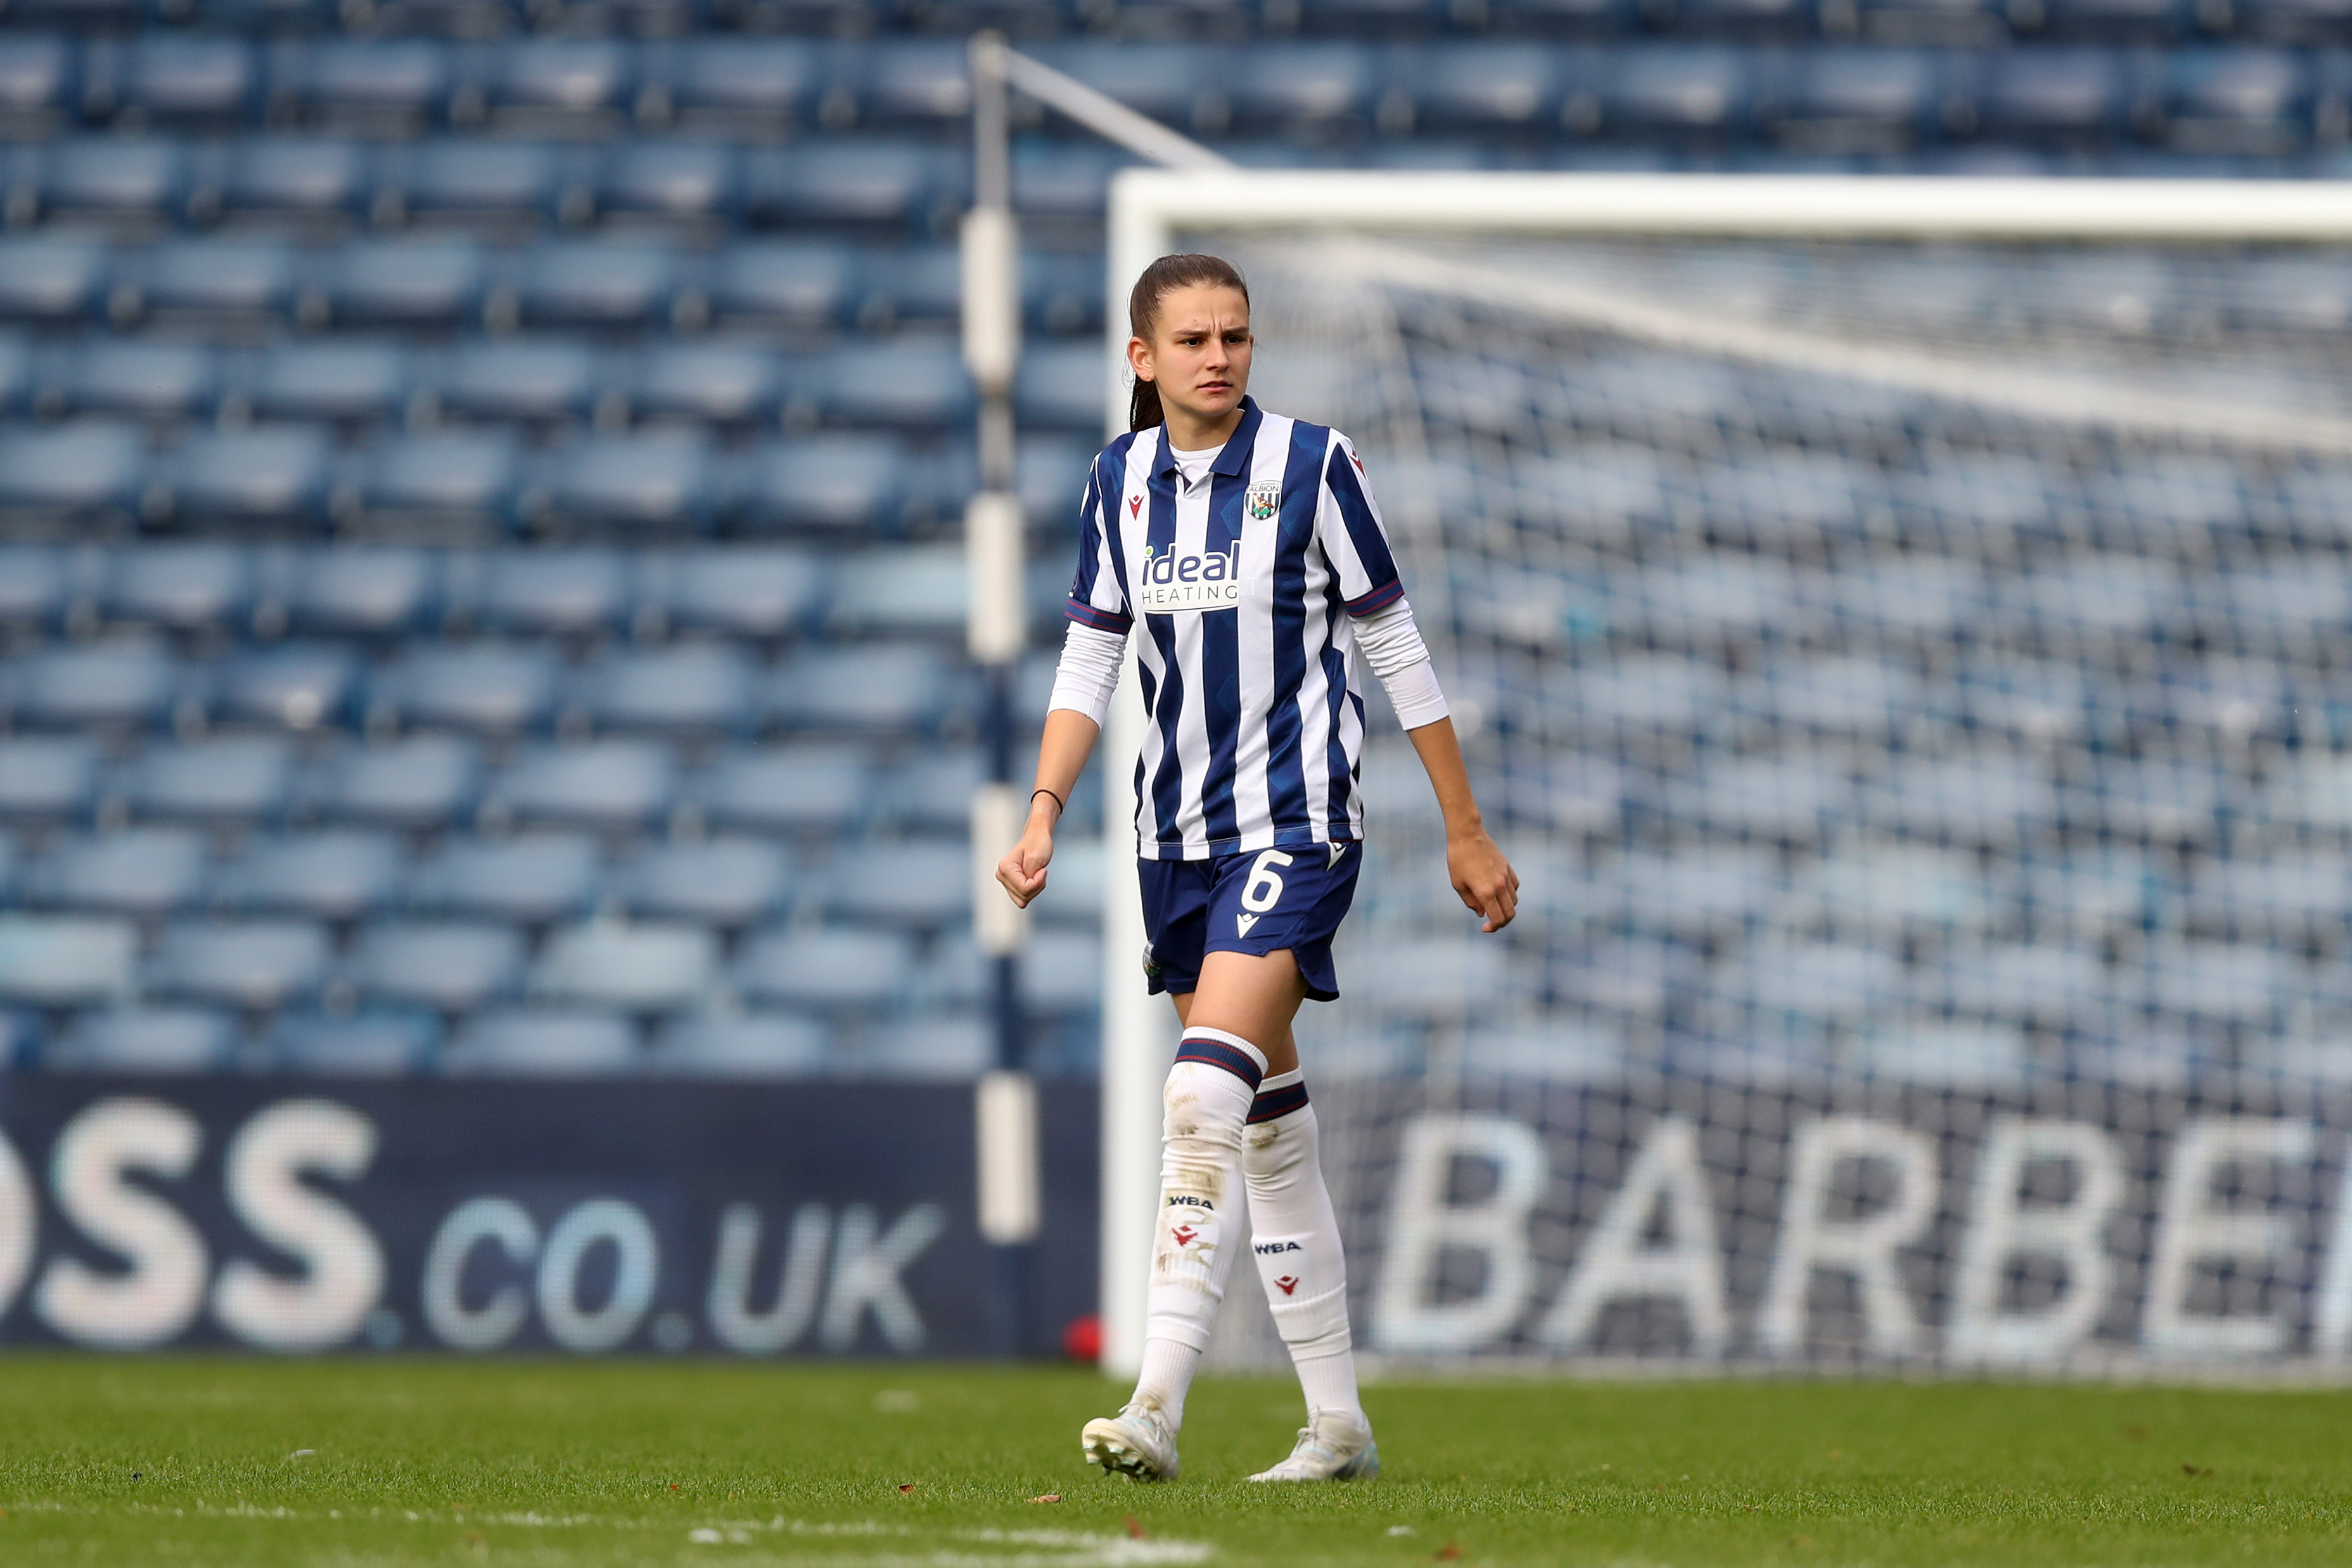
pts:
[1281, 1102]
[1217, 1053]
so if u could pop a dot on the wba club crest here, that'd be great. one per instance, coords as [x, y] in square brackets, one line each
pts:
[1262, 502]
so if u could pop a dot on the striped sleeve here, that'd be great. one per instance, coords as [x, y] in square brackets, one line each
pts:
[1349, 527]
[1096, 597]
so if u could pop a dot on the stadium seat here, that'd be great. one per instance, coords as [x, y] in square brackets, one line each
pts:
[849, 482]
[1837, 699]
[226, 780]
[662, 479]
[397, 83]
[2067, 95]
[933, 793]
[735, 84]
[145, 1040]
[540, 380]
[866, 184]
[37, 74]
[172, 77]
[360, 1045]
[458, 176]
[2237, 101]
[334, 379]
[179, 587]
[1489, 86]
[710, 384]
[355, 591]
[405, 282]
[151, 380]
[256, 964]
[1062, 181]
[756, 591]
[2291, 21]
[903, 591]
[114, 176]
[534, 878]
[1779, 983]
[489, 686]
[141, 872]
[450, 967]
[1668, 90]
[81, 469]
[270, 474]
[1993, 801]
[923, 882]
[1642, 703]
[909, 386]
[53, 961]
[48, 778]
[605, 283]
[335, 875]
[688, 687]
[750, 1046]
[1771, 799]
[115, 684]
[2032, 983]
[1696, 896]
[572, 592]
[723, 882]
[1298, 87]
[610, 784]
[918, 1049]
[810, 789]
[1061, 388]
[34, 585]
[1164, 80]
[421, 781]
[561, 79]
[2164, 804]
[791, 282]
[2302, 900]
[922, 83]
[823, 970]
[1877, 892]
[565, 1043]
[887, 688]
[1428, 979]
[1062, 974]
[2120, 21]
[1857, 99]
[52, 280]
[626, 966]
[449, 473]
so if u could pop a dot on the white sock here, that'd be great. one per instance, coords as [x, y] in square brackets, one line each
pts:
[1296, 1236]
[1167, 1368]
[1205, 1103]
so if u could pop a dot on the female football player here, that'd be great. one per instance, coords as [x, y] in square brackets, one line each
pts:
[1246, 546]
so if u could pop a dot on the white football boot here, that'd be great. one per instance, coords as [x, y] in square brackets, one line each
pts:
[1332, 1447]
[1135, 1442]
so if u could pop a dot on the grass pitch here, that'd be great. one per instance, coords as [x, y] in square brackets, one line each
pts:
[219, 1461]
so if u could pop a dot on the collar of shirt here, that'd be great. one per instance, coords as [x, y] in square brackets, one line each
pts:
[1232, 458]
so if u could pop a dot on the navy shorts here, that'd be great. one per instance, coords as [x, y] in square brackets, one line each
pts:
[1258, 901]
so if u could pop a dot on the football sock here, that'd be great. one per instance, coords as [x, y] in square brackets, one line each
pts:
[1295, 1235]
[1207, 1102]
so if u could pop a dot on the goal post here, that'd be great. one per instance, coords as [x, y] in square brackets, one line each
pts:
[1876, 609]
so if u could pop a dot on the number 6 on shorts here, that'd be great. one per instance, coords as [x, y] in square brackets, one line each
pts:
[1263, 890]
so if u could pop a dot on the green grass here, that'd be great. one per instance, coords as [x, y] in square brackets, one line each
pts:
[194, 1461]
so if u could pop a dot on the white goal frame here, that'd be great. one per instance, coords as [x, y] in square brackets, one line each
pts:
[1149, 207]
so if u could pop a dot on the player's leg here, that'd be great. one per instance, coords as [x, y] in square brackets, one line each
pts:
[1206, 1104]
[1294, 1231]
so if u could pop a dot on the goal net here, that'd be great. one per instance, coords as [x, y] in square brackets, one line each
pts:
[1900, 634]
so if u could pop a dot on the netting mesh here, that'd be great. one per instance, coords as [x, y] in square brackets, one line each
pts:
[1909, 679]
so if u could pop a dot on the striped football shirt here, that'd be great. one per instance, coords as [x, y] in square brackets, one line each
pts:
[1246, 585]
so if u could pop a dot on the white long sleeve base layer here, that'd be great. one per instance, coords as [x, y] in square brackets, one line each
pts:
[1088, 671]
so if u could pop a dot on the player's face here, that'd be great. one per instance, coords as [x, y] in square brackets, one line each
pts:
[1199, 351]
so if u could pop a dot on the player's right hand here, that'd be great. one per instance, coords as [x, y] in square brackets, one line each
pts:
[1021, 872]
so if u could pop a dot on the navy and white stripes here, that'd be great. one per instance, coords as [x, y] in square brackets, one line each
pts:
[1215, 1048]
[1246, 584]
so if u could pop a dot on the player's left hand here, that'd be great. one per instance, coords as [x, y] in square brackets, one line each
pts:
[1483, 878]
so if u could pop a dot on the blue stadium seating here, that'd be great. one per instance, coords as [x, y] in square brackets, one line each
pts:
[275, 474]
[337, 876]
[142, 872]
[369, 1044]
[405, 282]
[827, 970]
[608, 784]
[119, 177]
[572, 1042]
[820, 789]
[256, 964]
[447, 474]
[44, 279]
[111, 685]
[685, 688]
[146, 1039]
[533, 878]
[489, 686]
[228, 780]
[725, 883]
[743, 1046]
[54, 961]
[299, 177]
[362, 593]
[451, 967]
[665, 480]
[750, 592]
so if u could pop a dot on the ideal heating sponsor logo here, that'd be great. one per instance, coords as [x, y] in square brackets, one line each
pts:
[1174, 584]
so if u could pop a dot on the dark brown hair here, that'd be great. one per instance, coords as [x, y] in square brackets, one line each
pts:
[1169, 272]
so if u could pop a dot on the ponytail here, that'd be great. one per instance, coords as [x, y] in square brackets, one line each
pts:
[1169, 272]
